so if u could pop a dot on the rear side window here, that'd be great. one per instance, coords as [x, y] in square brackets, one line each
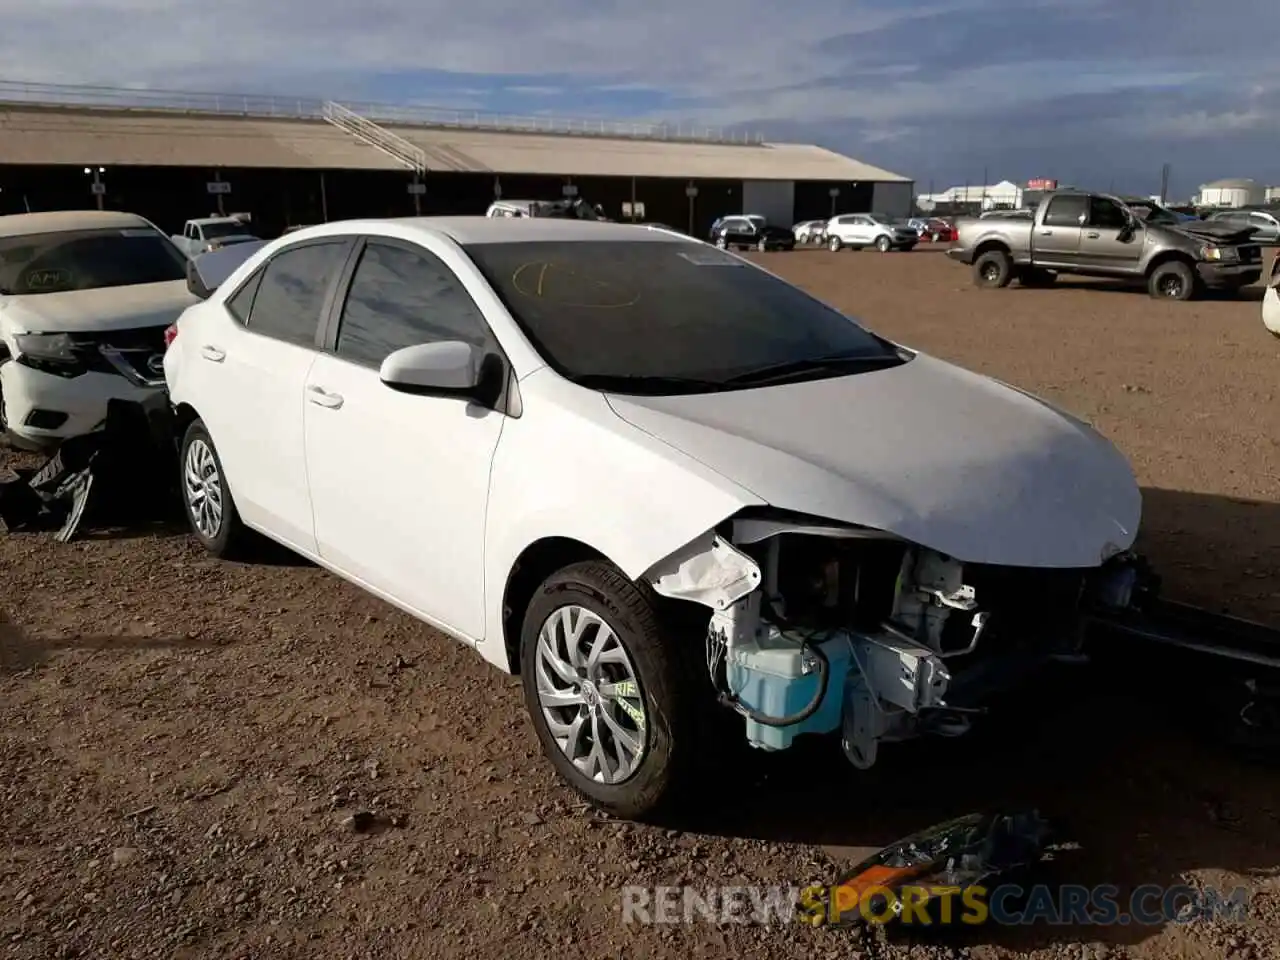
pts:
[400, 298]
[1066, 212]
[291, 292]
[240, 303]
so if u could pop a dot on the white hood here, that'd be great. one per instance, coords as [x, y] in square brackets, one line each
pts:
[93, 311]
[927, 451]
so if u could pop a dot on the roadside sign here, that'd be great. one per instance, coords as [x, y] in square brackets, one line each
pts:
[217, 186]
[691, 191]
[98, 189]
[417, 189]
[569, 190]
[833, 192]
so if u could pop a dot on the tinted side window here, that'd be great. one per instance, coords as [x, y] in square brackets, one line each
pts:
[1106, 214]
[241, 302]
[1066, 212]
[400, 298]
[292, 290]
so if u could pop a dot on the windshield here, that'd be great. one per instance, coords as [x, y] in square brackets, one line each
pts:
[87, 260]
[215, 231]
[635, 316]
[1149, 212]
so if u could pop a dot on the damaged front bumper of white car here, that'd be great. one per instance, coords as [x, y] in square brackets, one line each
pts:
[822, 628]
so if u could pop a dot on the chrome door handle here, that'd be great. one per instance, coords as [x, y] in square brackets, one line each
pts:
[1046, 233]
[322, 398]
[1093, 236]
[213, 353]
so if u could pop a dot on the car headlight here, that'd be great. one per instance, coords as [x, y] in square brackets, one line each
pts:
[45, 346]
[1219, 254]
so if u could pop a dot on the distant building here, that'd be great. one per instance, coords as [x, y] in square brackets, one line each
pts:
[1272, 195]
[1005, 194]
[1231, 193]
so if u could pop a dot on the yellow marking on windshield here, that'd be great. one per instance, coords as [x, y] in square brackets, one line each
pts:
[539, 292]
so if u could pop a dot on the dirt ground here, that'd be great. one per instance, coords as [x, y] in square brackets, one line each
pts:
[183, 740]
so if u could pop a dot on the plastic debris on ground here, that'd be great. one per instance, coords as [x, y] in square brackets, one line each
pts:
[121, 474]
[978, 850]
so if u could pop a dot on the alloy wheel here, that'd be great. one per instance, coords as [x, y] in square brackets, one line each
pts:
[590, 695]
[203, 486]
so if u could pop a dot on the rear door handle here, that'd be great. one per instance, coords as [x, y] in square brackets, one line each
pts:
[1093, 236]
[213, 353]
[322, 398]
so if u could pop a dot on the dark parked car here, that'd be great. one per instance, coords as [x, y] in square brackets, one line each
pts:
[751, 231]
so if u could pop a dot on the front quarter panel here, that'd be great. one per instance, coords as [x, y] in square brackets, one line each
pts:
[569, 467]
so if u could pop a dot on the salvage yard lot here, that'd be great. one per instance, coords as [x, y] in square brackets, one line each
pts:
[181, 739]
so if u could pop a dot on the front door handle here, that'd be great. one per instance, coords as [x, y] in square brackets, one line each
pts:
[1092, 235]
[1046, 233]
[323, 398]
[216, 354]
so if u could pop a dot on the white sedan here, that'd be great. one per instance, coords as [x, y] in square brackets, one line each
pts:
[1271, 299]
[85, 297]
[652, 478]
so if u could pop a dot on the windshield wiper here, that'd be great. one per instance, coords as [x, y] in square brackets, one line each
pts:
[773, 372]
[620, 382]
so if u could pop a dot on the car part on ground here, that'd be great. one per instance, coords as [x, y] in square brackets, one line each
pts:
[118, 475]
[907, 879]
[1097, 235]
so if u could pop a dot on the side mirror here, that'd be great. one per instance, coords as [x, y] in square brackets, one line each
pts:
[449, 368]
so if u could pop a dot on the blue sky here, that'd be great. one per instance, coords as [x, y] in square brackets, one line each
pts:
[1094, 92]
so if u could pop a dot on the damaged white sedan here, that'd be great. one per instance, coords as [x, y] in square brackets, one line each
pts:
[651, 478]
[85, 297]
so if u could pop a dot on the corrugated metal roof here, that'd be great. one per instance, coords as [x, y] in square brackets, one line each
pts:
[59, 135]
[52, 135]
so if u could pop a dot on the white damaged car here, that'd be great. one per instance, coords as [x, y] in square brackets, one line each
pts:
[85, 297]
[653, 479]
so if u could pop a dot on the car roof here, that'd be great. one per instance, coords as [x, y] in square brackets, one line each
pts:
[29, 224]
[479, 230]
[205, 221]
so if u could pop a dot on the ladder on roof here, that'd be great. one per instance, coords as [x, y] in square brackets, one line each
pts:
[370, 134]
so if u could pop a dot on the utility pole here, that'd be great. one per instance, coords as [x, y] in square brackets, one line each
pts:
[1164, 184]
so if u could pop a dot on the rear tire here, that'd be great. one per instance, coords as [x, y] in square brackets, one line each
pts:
[660, 717]
[993, 270]
[1172, 280]
[206, 497]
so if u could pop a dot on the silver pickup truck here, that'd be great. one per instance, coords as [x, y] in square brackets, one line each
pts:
[1096, 235]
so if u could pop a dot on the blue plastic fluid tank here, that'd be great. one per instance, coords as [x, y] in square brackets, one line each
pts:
[769, 676]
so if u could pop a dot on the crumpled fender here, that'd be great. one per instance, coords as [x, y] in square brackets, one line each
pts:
[579, 471]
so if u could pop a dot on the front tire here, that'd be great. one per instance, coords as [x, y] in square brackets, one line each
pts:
[761, 245]
[608, 695]
[206, 498]
[833, 244]
[884, 244]
[1173, 280]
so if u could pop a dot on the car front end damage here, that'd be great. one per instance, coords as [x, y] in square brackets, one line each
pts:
[825, 628]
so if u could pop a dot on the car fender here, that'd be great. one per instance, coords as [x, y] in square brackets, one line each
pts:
[569, 467]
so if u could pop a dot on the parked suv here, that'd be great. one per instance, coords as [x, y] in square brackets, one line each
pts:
[860, 230]
[85, 297]
[751, 231]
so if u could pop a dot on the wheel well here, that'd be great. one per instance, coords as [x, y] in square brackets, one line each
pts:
[183, 416]
[538, 561]
[988, 246]
[1169, 257]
